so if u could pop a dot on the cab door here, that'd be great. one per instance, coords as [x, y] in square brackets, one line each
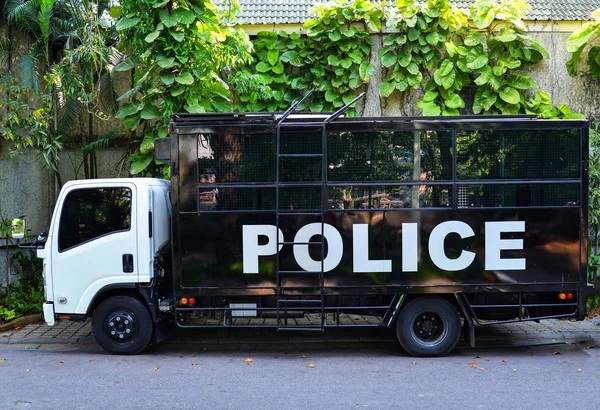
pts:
[94, 245]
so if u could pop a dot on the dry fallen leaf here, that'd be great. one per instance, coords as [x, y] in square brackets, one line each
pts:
[310, 366]
[248, 360]
[92, 361]
[482, 368]
[18, 327]
[156, 369]
[2, 359]
[556, 353]
[504, 361]
[414, 362]
[27, 370]
[473, 365]
[194, 364]
[61, 361]
[589, 347]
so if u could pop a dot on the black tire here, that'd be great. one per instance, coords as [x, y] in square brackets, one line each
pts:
[122, 325]
[428, 326]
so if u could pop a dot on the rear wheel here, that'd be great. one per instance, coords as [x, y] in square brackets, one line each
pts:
[428, 326]
[122, 325]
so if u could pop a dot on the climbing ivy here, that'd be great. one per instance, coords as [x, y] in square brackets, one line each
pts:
[588, 34]
[333, 57]
[180, 52]
[461, 63]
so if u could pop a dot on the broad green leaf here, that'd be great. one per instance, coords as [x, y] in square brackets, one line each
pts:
[278, 68]
[333, 60]
[594, 61]
[366, 71]
[334, 35]
[522, 82]
[450, 112]
[580, 37]
[475, 38]
[127, 64]
[506, 36]
[131, 93]
[433, 38]
[177, 35]
[347, 98]
[476, 59]
[331, 96]
[445, 68]
[389, 59]
[163, 132]
[177, 91]
[451, 48]
[454, 101]
[150, 111]
[263, 67]
[316, 106]
[159, 3]
[413, 34]
[147, 144]
[402, 86]
[187, 17]
[288, 55]
[386, 89]
[429, 108]
[140, 165]
[132, 122]
[429, 96]
[573, 63]
[354, 80]
[129, 109]
[510, 95]
[415, 80]
[185, 78]
[485, 76]
[273, 57]
[483, 17]
[346, 62]
[127, 22]
[165, 62]
[152, 36]
[167, 19]
[405, 60]
[412, 68]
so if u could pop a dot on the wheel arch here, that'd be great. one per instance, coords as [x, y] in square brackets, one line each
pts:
[117, 289]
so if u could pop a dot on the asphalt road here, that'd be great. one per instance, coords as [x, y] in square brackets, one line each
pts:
[557, 376]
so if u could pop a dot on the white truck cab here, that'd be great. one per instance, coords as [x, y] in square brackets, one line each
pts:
[103, 236]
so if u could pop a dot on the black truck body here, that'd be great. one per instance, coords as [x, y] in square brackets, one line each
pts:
[483, 215]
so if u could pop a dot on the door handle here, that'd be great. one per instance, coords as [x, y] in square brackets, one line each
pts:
[127, 263]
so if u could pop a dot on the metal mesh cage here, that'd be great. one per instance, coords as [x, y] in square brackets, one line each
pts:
[389, 197]
[235, 199]
[517, 154]
[236, 158]
[390, 156]
[503, 195]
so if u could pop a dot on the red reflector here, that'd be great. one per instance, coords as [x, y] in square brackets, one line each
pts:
[192, 301]
[569, 296]
[64, 317]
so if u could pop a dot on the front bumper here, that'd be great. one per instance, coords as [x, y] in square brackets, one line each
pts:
[49, 313]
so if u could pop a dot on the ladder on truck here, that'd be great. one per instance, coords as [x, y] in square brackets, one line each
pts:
[300, 293]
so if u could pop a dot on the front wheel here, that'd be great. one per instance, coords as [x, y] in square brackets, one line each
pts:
[122, 325]
[428, 326]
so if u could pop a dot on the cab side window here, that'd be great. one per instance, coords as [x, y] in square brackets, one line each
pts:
[88, 214]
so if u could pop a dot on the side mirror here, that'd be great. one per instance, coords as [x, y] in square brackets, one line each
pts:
[41, 238]
[17, 228]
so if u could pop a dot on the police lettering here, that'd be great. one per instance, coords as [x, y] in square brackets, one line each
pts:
[494, 244]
